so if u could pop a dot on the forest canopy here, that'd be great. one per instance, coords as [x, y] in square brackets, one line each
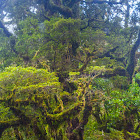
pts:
[69, 69]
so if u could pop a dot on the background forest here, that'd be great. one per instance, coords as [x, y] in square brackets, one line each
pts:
[69, 69]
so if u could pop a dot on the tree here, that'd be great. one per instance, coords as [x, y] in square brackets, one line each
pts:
[82, 60]
[33, 101]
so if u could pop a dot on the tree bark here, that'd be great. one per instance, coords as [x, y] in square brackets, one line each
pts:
[127, 14]
[131, 65]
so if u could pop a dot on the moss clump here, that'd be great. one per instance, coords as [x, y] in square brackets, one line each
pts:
[119, 71]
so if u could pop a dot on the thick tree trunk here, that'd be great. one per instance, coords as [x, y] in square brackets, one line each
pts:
[131, 65]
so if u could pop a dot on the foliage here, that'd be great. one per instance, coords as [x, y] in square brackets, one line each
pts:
[63, 37]
[69, 69]
[29, 90]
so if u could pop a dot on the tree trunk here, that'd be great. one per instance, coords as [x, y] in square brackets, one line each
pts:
[127, 14]
[131, 64]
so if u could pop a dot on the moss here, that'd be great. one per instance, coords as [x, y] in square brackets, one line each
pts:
[134, 136]
[57, 109]
[62, 76]
[119, 71]
[9, 122]
[113, 72]
[108, 72]
[121, 82]
[54, 120]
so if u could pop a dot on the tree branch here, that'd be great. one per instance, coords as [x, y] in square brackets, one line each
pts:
[6, 124]
[66, 11]
[107, 54]
[104, 1]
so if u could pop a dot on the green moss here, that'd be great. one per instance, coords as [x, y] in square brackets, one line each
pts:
[119, 71]
[134, 136]
[57, 119]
